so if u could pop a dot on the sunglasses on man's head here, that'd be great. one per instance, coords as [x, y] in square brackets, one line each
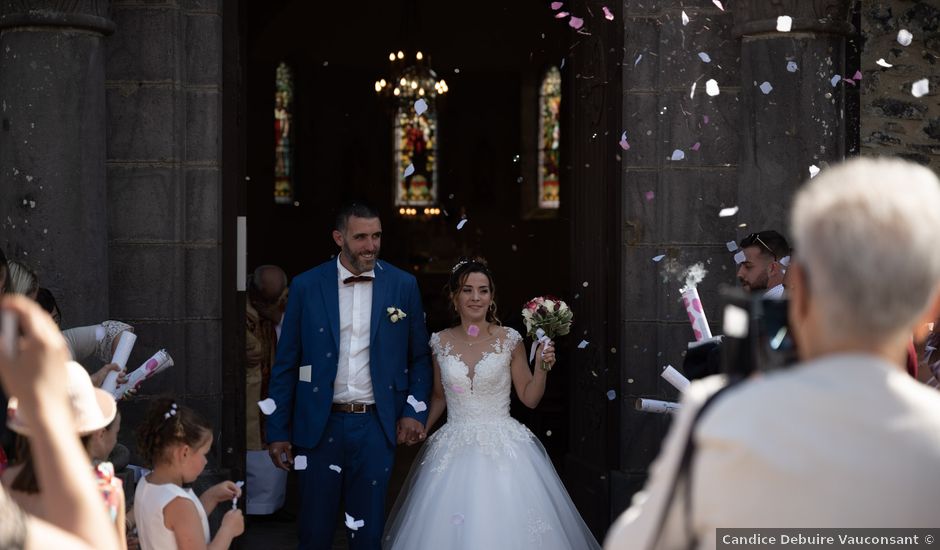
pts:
[754, 238]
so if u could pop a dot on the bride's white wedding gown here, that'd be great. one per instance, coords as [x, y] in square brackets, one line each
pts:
[483, 481]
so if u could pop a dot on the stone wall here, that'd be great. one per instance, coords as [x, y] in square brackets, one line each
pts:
[893, 121]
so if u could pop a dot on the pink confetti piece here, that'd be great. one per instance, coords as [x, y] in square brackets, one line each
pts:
[473, 331]
[561, 15]
[705, 119]
[575, 22]
[650, 195]
[697, 146]
[609, 16]
[858, 75]
[557, 5]
[623, 141]
[718, 3]
[457, 389]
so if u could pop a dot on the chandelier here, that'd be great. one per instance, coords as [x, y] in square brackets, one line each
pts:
[411, 81]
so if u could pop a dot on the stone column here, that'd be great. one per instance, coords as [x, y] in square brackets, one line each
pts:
[800, 122]
[53, 213]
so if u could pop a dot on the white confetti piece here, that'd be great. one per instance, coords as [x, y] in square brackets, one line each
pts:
[884, 63]
[410, 169]
[813, 170]
[623, 141]
[835, 80]
[685, 18]
[905, 37]
[575, 22]
[792, 66]
[238, 484]
[461, 223]
[692, 93]
[711, 87]
[650, 195]
[739, 257]
[611, 395]
[704, 57]
[268, 406]
[638, 58]
[420, 107]
[418, 406]
[300, 463]
[718, 3]
[784, 23]
[583, 344]
[678, 154]
[727, 212]
[548, 433]
[659, 258]
[584, 284]
[607, 14]
[306, 373]
[457, 519]
[732, 246]
[336, 468]
[766, 87]
[354, 524]
[920, 88]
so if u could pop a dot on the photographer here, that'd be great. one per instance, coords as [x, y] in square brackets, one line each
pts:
[841, 439]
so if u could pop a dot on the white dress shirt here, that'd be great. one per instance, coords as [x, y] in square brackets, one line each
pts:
[353, 382]
[842, 441]
[776, 292]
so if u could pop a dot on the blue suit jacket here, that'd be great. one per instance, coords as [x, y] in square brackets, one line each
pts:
[398, 354]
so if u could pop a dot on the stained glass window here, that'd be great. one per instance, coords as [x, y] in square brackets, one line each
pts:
[415, 156]
[283, 142]
[549, 138]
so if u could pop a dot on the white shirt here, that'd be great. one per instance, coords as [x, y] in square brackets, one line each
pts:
[841, 441]
[353, 383]
[149, 502]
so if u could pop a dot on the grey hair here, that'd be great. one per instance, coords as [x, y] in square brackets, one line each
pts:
[866, 234]
[23, 280]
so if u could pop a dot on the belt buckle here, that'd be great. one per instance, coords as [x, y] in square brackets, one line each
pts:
[359, 408]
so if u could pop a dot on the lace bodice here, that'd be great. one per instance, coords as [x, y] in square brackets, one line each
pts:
[477, 382]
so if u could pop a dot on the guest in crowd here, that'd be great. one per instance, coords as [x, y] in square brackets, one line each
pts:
[843, 438]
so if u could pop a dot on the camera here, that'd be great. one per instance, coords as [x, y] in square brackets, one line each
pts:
[757, 335]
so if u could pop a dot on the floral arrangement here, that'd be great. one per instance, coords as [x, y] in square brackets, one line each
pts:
[546, 318]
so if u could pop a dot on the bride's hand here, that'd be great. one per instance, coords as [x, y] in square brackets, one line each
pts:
[547, 353]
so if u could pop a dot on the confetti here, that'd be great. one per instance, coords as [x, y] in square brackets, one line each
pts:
[704, 57]
[685, 18]
[711, 88]
[456, 388]
[920, 88]
[650, 195]
[857, 75]
[659, 258]
[611, 395]
[792, 66]
[607, 15]
[561, 15]
[705, 119]
[457, 519]
[238, 484]
[884, 63]
[336, 468]
[638, 58]
[268, 406]
[718, 3]
[300, 462]
[410, 169]
[623, 141]
[739, 257]
[557, 5]
[905, 37]
[784, 23]
[584, 284]
[575, 22]
[732, 246]
[766, 87]
[692, 93]
[461, 223]
[354, 524]
[678, 154]
[473, 331]
[835, 80]
[548, 433]
[727, 212]
[418, 406]
[583, 344]
[813, 170]
[420, 107]
[697, 146]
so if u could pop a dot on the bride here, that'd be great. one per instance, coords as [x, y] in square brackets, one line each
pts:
[483, 480]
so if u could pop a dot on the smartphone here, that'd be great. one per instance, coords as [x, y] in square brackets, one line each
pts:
[757, 334]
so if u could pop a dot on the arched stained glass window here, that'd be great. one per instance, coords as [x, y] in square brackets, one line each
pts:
[549, 138]
[415, 155]
[283, 142]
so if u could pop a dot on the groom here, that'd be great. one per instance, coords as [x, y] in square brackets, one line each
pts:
[351, 379]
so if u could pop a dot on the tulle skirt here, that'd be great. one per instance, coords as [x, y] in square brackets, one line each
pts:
[485, 486]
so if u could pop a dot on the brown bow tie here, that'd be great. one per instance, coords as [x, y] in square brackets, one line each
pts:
[357, 279]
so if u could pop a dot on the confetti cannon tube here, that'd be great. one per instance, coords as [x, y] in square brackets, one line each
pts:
[656, 406]
[675, 378]
[159, 362]
[125, 345]
[693, 307]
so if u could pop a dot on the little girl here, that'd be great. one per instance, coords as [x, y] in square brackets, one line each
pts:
[175, 440]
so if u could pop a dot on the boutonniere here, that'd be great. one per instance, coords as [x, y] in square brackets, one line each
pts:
[395, 314]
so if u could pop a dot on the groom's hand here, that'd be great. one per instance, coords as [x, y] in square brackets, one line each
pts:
[410, 431]
[277, 451]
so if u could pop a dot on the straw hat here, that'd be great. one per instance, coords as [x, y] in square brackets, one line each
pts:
[92, 408]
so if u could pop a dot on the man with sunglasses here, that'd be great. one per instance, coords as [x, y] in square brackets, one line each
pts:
[766, 254]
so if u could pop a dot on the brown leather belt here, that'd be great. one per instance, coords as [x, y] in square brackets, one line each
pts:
[357, 408]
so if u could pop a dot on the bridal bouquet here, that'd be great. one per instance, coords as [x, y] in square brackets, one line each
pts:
[546, 317]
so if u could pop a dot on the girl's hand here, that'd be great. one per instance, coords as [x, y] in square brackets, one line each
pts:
[227, 490]
[233, 522]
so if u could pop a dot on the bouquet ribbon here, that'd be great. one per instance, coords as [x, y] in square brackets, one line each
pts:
[540, 338]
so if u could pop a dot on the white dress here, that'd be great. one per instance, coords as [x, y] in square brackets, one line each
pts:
[483, 480]
[149, 501]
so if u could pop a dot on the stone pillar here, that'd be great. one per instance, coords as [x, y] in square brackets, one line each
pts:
[53, 213]
[801, 121]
